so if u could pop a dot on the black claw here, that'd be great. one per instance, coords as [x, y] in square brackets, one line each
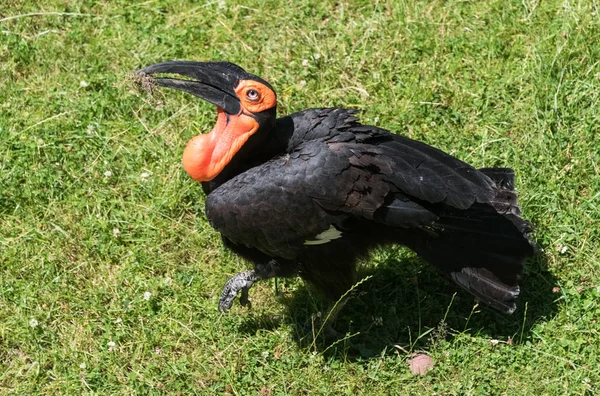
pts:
[224, 305]
[227, 297]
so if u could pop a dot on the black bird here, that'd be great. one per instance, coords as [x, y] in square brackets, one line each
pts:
[310, 193]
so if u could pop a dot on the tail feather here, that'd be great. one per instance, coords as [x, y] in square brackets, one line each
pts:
[485, 286]
[483, 248]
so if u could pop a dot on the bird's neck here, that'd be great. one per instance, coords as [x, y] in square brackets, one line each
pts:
[260, 148]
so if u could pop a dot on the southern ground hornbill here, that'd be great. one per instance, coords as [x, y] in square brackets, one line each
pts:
[310, 193]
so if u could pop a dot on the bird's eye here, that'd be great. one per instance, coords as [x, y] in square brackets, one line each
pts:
[252, 95]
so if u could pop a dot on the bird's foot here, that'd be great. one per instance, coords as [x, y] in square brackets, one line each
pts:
[321, 328]
[242, 281]
[322, 325]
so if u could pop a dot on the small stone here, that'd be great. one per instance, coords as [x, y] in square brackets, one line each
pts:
[420, 364]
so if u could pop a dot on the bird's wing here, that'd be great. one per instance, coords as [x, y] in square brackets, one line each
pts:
[398, 181]
[415, 168]
[412, 168]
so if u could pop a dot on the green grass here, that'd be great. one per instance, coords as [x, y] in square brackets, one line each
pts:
[95, 209]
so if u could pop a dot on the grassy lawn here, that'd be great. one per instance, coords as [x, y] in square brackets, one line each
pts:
[110, 273]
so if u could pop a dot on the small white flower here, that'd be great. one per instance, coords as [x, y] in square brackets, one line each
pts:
[118, 321]
[83, 84]
[116, 232]
[562, 249]
[111, 345]
[433, 123]
[158, 351]
[304, 62]
[145, 175]
[33, 323]
[302, 83]
[82, 366]
[147, 295]
[168, 281]
[317, 56]
[107, 173]
[265, 354]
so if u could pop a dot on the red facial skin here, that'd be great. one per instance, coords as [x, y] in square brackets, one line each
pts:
[205, 156]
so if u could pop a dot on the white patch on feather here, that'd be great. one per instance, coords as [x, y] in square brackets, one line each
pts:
[326, 236]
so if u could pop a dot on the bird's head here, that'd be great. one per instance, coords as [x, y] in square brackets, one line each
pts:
[246, 107]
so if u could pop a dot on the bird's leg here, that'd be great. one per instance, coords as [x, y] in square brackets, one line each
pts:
[243, 281]
[327, 320]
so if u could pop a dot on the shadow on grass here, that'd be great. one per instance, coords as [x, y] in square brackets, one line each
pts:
[407, 303]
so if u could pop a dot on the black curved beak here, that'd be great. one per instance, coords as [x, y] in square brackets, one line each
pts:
[214, 82]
